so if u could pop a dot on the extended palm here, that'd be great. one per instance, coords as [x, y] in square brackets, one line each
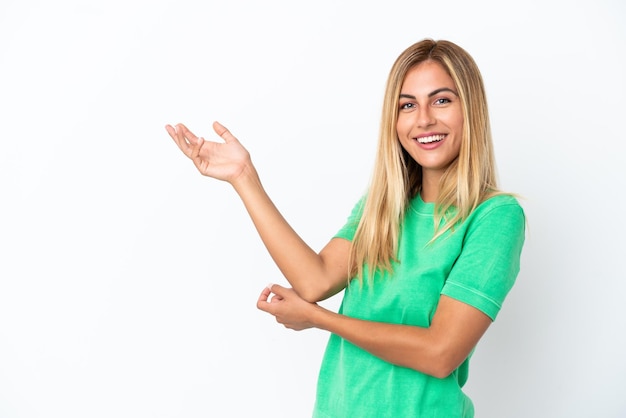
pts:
[222, 161]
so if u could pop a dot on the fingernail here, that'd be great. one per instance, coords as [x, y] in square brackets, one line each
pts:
[269, 286]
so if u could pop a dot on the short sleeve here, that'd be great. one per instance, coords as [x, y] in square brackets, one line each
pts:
[349, 229]
[489, 262]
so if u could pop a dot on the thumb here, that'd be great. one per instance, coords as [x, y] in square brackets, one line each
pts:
[223, 132]
[277, 290]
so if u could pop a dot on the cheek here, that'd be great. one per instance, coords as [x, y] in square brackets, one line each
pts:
[403, 126]
[457, 122]
[460, 124]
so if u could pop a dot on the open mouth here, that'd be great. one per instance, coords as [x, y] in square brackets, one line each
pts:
[430, 139]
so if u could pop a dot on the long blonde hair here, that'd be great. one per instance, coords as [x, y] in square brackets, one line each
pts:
[397, 177]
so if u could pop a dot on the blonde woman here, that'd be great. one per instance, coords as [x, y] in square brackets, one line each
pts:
[425, 260]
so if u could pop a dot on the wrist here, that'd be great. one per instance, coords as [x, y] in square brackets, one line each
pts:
[246, 179]
[321, 317]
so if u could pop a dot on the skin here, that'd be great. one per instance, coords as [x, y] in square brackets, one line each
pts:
[428, 106]
[315, 276]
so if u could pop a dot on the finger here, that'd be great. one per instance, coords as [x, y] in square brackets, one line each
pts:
[276, 299]
[195, 155]
[170, 130]
[189, 136]
[262, 303]
[223, 132]
[265, 294]
[172, 133]
[175, 134]
[278, 290]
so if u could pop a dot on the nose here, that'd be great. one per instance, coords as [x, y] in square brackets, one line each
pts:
[425, 117]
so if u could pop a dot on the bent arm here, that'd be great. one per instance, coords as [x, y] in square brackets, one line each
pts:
[438, 350]
[314, 276]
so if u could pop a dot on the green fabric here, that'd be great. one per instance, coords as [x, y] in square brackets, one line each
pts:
[477, 264]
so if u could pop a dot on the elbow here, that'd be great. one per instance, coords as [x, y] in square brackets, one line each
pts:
[443, 370]
[308, 296]
[315, 292]
[444, 360]
[311, 295]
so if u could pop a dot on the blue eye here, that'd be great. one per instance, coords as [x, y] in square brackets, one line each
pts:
[407, 106]
[442, 100]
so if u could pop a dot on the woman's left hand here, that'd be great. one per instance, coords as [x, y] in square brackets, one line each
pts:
[288, 308]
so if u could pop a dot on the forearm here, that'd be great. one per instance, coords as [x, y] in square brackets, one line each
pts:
[403, 345]
[437, 350]
[307, 271]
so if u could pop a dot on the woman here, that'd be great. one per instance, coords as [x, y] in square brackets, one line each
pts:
[425, 260]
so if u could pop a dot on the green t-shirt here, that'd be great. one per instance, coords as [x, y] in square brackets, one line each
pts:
[477, 264]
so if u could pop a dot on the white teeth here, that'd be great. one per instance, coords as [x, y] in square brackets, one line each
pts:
[429, 139]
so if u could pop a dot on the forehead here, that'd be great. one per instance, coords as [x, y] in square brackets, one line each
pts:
[426, 77]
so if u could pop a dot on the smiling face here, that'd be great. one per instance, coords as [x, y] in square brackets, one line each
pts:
[430, 119]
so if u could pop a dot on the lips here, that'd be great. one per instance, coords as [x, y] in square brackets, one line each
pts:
[430, 139]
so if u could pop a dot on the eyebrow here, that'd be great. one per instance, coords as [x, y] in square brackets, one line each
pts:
[431, 94]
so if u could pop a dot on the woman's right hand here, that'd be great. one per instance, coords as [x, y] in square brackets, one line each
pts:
[223, 161]
[313, 276]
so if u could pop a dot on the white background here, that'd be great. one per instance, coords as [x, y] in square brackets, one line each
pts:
[128, 281]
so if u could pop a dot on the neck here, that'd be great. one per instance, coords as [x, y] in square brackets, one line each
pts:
[430, 189]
